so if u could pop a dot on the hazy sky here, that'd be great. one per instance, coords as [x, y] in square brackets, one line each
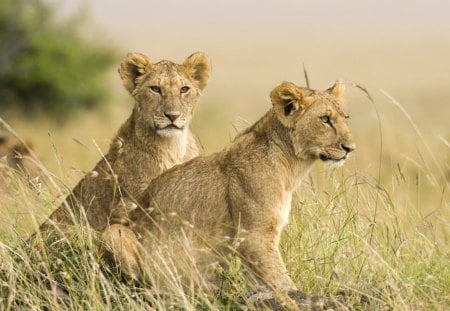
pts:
[223, 20]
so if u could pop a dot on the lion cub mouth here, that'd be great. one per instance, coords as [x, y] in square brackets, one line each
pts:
[169, 130]
[171, 126]
[333, 162]
[325, 158]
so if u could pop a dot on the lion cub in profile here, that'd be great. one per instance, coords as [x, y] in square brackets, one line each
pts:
[154, 138]
[240, 194]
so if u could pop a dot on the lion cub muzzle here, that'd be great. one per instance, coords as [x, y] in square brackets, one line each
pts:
[338, 158]
[172, 123]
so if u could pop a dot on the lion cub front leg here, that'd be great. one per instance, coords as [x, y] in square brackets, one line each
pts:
[121, 245]
[260, 249]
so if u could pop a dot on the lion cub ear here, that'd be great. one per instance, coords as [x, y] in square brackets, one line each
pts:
[198, 67]
[337, 90]
[132, 67]
[288, 100]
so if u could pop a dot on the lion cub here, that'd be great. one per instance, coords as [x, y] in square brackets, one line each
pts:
[239, 197]
[154, 138]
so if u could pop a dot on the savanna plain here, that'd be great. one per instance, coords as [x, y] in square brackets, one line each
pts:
[375, 231]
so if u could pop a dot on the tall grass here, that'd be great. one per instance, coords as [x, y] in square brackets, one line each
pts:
[375, 232]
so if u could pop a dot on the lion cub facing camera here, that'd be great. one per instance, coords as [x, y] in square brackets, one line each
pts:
[154, 138]
[239, 198]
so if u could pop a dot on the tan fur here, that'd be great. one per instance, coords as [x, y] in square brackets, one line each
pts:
[241, 196]
[154, 138]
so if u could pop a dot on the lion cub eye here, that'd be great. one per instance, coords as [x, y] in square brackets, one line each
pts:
[155, 89]
[184, 89]
[326, 120]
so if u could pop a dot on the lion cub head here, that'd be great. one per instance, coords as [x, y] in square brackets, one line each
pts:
[315, 121]
[165, 93]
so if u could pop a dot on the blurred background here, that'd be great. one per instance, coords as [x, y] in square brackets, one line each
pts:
[60, 90]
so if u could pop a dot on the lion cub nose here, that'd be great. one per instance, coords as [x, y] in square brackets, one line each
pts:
[171, 115]
[349, 147]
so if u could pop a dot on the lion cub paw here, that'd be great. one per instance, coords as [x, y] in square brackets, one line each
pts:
[122, 247]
